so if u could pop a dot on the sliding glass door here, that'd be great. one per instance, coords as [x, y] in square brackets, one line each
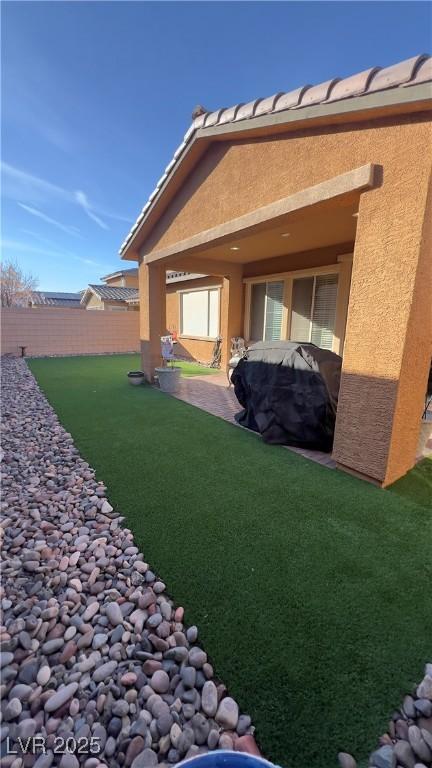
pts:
[311, 309]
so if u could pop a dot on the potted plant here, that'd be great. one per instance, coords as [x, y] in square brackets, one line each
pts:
[136, 377]
[168, 374]
[426, 421]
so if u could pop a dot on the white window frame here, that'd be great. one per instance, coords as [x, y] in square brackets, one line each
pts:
[207, 288]
[288, 277]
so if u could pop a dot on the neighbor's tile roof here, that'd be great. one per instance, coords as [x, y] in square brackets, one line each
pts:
[55, 299]
[414, 71]
[114, 293]
[133, 271]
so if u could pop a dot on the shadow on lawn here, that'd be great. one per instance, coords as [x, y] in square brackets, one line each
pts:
[416, 486]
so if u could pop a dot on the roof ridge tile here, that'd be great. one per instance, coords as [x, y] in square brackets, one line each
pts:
[394, 75]
[267, 105]
[291, 98]
[247, 110]
[230, 113]
[422, 73]
[316, 94]
[354, 85]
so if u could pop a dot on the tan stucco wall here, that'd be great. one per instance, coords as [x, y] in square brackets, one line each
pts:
[389, 330]
[94, 302]
[127, 281]
[234, 178]
[68, 331]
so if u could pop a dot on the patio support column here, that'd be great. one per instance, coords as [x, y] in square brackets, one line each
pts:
[152, 282]
[231, 315]
[388, 339]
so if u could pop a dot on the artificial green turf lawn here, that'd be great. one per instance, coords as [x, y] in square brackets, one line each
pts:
[187, 369]
[311, 589]
[192, 369]
[417, 484]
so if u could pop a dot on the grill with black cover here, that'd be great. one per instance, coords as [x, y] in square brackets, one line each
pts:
[289, 392]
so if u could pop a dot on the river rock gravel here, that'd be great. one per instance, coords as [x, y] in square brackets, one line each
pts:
[408, 740]
[95, 658]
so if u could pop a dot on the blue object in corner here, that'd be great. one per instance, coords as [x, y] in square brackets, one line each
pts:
[226, 759]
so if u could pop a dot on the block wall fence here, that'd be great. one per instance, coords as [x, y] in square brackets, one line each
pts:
[58, 331]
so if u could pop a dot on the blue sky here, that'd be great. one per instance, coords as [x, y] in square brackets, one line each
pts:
[97, 96]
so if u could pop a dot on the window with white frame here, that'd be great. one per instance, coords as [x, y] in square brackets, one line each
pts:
[199, 313]
[266, 310]
[313, 309]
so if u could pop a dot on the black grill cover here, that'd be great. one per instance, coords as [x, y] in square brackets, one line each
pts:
[289, 392]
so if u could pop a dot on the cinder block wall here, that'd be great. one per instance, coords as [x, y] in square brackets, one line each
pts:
[58, 331]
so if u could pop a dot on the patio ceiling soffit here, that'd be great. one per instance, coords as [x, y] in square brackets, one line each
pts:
[358, 180]
[399, 86]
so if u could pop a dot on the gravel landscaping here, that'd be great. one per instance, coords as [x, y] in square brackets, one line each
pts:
[92, 648]
[94, 656]
[408, 741]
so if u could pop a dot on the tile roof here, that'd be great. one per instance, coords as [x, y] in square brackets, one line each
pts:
[113, 292]
[410, 72]
[129, 295]
[55, 299]
[120, 272]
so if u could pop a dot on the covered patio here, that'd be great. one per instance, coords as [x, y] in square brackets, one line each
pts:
[305, 241]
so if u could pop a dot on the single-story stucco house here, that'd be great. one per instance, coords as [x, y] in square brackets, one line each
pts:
[311, 210]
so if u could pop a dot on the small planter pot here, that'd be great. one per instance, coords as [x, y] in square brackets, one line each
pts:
[135, 377]
[424, 436]
[169, 379]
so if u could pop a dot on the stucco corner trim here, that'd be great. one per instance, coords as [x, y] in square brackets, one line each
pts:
[359, 179]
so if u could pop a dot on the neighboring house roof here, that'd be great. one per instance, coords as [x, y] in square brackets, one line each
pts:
[55, 299]
[129, 295]
[109, 293]
[367, 89]
[120, 273]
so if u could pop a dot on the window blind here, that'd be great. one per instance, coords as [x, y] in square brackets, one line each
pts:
[258, 300]
[274, 309]
[324, 311]
[266, 311]
[302, 294]
[200, 313]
